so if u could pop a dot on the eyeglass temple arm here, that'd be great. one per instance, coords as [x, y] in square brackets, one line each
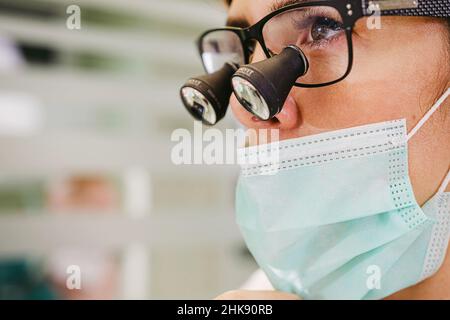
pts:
[427, 8]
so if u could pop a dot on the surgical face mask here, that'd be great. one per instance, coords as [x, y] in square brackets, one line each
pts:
[338, 219]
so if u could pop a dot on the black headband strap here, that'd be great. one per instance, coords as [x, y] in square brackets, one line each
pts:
[428, 8]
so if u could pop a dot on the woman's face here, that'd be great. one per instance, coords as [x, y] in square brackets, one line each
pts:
[398, 72]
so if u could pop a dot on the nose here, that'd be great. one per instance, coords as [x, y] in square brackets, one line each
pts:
[288, 119]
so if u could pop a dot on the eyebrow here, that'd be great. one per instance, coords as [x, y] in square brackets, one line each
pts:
[283, 3]
[243, 23]
[239, 22]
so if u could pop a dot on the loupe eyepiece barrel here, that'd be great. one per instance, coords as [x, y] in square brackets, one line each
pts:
[207, 97]
[262, 87]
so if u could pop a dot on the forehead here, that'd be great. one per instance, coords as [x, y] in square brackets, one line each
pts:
[267, 4]
[250, 10]
[253, 10]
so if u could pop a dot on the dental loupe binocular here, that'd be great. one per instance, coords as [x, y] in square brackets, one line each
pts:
[261, 88]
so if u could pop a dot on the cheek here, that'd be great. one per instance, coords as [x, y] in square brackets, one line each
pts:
[392, 78]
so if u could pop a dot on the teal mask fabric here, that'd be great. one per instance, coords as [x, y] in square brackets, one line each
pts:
[335, 217]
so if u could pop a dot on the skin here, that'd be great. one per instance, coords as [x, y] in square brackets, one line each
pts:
[398, 72]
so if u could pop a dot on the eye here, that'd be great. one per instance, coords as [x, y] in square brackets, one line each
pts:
[325, 28]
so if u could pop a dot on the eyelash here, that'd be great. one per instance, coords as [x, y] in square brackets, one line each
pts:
[313, 45]
[323, 43]
[314, 16]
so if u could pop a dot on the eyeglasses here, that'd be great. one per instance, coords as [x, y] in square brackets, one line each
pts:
[321, 29]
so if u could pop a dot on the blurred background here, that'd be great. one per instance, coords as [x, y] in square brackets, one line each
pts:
[85, 172]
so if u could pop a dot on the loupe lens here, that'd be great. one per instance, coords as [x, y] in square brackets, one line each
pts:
[250, 98]
[198, 105]
[262, 87]
[206, 97]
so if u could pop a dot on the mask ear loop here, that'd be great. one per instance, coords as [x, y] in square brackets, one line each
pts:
[444, 183]
[423, 121]
[428, 114]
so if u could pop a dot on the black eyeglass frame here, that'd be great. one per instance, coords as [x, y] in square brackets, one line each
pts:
[350, 11]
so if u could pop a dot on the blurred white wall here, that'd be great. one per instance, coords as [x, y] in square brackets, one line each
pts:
[95, 174]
